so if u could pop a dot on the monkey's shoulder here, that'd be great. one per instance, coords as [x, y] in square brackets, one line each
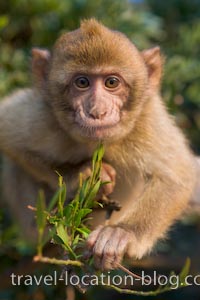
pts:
[25, 118]
[23, 105]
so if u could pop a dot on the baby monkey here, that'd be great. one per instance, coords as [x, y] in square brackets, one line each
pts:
[96, 86]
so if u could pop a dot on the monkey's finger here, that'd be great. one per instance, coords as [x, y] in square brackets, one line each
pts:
[86, 171]
[99, 248]
[105, 176]
[108, 262]
[114, 249]
[107, 189]
[121, 250]
[110, 171]
[93, 237]
[108, 174]
[108, 257]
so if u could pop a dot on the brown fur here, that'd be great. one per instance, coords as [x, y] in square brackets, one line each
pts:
[155, 172]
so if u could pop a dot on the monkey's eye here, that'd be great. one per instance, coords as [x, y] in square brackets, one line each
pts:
[82, 82]
[112, 82]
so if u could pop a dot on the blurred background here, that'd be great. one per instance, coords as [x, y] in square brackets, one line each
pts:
[174, 25]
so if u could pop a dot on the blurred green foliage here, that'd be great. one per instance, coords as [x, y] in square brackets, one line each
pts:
[181, 44]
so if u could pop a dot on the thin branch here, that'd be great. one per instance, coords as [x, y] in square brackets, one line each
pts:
[138, 293]
[57, 261]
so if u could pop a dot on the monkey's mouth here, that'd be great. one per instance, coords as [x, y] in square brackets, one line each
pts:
[95, 128]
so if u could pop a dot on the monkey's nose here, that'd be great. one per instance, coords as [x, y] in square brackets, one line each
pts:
[97, 114]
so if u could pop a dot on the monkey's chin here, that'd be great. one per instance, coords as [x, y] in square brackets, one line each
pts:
[100, 133]
[96, 130]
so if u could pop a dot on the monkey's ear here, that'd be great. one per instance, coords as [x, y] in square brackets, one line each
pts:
[154, 62]
[40, 65]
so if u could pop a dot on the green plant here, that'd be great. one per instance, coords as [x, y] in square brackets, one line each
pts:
[67, 222]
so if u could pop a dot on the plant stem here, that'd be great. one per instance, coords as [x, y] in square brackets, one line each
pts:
[55, 261]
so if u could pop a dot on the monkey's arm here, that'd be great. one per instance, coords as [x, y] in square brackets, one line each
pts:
[195, 200]
[134, 230]
[34, 165]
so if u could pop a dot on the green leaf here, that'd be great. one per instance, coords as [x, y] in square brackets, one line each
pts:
[92, 194]
[68, 213]
[54, 220]
[101, 152]
[81, 214]
[84, 212]
[40, 211]
[62, 233]
[49, 236]
[76, 240]
[61, 194]
[84, 190]
[97, 157]
[57, 240]
[61, 199]
[84, 231]
[185, 270]
[94, 158]
[53, 201]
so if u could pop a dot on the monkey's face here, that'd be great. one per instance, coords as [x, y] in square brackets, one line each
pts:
[97, 102]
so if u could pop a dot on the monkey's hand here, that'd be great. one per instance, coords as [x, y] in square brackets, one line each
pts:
[108, 245]
[108, 173]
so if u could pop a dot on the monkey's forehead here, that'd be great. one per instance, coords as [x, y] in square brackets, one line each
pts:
[94, 44]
